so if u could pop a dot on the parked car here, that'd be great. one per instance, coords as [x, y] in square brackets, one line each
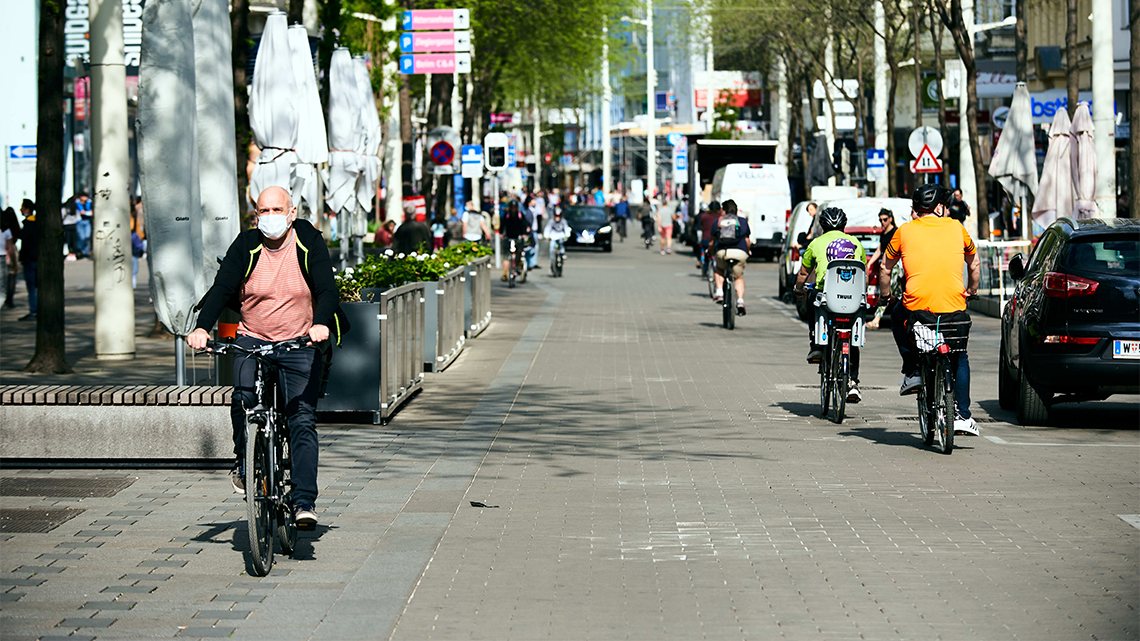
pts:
[589, 227]
[862, 223]
[1071, 331]
[763, 196]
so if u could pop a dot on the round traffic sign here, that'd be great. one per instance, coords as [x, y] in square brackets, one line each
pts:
[442, 153]
[999, 116]
[925, 137]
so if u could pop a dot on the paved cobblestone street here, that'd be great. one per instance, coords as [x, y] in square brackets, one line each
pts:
[645, 475]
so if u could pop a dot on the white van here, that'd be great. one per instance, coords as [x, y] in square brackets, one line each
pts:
[762, 195]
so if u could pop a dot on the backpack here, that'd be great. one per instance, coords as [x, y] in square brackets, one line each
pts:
[728, 230]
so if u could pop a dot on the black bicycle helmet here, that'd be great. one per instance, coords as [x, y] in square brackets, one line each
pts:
[927, 197]
[832, 218]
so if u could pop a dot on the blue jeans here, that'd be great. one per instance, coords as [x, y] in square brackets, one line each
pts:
[32, 282]
[83, 234]
[299, 374]
[556, 245]
[959, 362]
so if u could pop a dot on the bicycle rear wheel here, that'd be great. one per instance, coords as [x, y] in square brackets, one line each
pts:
[839, 374]
[943, 406]
[824, 384]
[259, 487]
[729, 314]
[286, 524]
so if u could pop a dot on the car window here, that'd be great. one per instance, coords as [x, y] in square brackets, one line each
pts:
[1044, 251]
[1112, 257]
[585, 215]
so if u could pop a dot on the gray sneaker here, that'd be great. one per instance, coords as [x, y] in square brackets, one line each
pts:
[910, 385]
[237, 477]
[305, 515]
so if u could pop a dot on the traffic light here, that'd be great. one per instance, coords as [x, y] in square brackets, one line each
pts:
[495, 151]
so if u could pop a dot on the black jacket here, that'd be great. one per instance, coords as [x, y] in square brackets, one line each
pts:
[412, 236]
[240, 260]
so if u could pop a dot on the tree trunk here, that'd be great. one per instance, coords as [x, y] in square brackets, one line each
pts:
[296, 11]
[918, 90]
[1021, 44]
[1134, 117]
[964, 43]
[329, 14]
[936, 33]
[243, 135]
[50, 357]
[1071, 60]
[892, 153]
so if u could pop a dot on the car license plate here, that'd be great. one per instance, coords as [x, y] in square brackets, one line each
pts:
[1126, 349]
[585, 237]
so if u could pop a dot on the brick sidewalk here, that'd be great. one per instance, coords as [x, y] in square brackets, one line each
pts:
[654, 476]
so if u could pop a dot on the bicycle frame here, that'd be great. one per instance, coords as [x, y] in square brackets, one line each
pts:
[937, 405]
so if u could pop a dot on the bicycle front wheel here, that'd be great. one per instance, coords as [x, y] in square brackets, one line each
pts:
[259, 488]
[925, 415]
[943, 404]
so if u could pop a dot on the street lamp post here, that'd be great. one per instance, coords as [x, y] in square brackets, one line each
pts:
[650, 106]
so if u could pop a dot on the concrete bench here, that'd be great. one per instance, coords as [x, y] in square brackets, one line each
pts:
[114, 424]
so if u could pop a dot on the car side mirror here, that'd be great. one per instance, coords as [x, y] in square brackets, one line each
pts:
[802, 239]
[1017, 267]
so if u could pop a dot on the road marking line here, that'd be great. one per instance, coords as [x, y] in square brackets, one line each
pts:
[1131, 519]
[1001, 441]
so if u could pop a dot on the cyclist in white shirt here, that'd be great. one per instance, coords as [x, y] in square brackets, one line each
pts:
[555, 230]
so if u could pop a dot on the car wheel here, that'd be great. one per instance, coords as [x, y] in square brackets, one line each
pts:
[1007, 386]
[1032, 401]
[608, 248]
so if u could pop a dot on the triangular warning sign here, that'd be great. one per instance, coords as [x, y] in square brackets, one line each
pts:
[926, 163]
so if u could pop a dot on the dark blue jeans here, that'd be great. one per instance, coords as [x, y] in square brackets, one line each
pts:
[959, 362]
[31, 280]
[299, 374]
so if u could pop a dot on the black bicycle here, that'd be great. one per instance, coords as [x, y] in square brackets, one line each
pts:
[267, 464]
[647, 232]
[559, 257]
[835, 366]
[937, 338]
[517, 271]
[728, 295]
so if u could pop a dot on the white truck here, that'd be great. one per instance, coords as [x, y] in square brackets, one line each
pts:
[763, 196]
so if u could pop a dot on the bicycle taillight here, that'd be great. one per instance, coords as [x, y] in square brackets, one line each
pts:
[944, 349]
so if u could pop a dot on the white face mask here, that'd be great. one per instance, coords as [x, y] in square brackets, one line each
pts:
[273, 226]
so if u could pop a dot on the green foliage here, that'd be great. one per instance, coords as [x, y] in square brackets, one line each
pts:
[392, 270]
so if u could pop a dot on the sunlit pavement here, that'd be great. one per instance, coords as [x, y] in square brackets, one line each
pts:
[645, 474]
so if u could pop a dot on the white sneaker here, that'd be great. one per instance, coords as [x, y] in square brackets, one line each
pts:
[853, 395]
[966, 426]
[910, 385]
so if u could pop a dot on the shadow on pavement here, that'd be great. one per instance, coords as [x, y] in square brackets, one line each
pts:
[1092, 415]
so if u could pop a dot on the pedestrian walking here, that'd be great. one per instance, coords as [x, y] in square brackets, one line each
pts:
[438, 232]
[10, 224]
[29, 255]
[70, 221]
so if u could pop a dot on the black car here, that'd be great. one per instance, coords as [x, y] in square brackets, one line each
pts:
[1071, 332]
[589, 227]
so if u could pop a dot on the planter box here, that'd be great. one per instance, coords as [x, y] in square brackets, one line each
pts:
[443, 319]
[380, 363]
[477, 297]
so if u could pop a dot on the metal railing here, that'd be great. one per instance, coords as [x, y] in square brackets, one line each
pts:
[380, 362]
[401, 353]
[995, 286]
[443, 320]
[477, 304]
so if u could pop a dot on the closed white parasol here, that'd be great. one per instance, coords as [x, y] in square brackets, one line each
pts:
[1083, 161]
[273, 109]
[312, 142]
[1015, 160]
[1055, 193]
[345, 133]
[370, 121]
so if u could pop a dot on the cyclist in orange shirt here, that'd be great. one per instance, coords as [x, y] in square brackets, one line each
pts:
[932, 250]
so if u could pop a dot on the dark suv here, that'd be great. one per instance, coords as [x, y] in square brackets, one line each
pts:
[1071, 332]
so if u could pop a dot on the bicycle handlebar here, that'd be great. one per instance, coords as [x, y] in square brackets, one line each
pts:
[222, 347]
